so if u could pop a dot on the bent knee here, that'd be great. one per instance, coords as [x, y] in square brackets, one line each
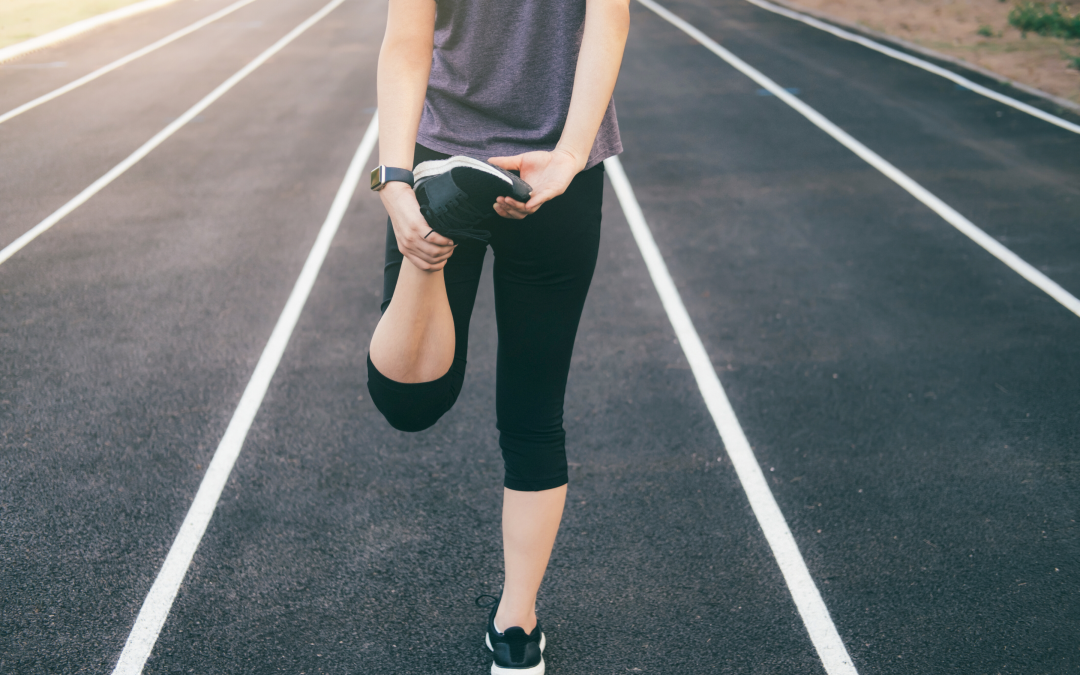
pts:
[413, 406]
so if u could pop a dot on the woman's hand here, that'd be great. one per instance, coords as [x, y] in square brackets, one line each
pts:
[549, 174]
[422, 246]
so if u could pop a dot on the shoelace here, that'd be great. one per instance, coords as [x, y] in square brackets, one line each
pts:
[455, 220]
[486, 605]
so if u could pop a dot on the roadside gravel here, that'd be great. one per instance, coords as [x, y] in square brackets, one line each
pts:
[952, 27]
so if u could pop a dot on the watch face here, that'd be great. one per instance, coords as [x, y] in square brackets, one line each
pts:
[376, 178]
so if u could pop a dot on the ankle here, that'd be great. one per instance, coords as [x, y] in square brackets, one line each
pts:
[505, 619]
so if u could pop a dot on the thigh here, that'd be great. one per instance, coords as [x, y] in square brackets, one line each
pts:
[543, 268]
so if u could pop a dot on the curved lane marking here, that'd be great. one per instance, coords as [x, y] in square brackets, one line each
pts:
[118, 170]
[123, 61]
[951, 215]
[158, 603]
[918, 63]
[815, 615]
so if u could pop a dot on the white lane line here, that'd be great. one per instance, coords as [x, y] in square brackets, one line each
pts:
[815, 615]
[951, 215]
[96, 187]
[159, 600]
[918, 63]
[123, 61]
[78, 27]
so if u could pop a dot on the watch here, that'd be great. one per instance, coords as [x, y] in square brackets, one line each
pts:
[381, 175]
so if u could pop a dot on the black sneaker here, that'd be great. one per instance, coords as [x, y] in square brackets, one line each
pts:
[456, 194]
[516, 652]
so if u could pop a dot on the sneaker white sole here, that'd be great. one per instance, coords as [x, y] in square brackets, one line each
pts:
[437, 166]
[538, 669]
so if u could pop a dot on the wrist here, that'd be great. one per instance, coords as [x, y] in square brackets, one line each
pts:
[578, 159]
[394, 188]
[393, 195]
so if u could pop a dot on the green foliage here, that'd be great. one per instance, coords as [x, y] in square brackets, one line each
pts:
[985, 31]
[1053, 19]
[1074, 62]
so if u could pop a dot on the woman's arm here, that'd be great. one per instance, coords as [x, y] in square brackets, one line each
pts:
[404, 67]
[607, 23]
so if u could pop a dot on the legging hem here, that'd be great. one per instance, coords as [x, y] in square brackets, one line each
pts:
[534, 485]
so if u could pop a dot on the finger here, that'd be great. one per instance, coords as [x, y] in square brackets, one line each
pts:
[508, 163]
[414, 245]
[514, 215]
[538, 198]
[514, 206]
[429, 235]
[429, 251]
[427, 247]
[440, 254]
[505, 211]
[424, 265]
[512, 203]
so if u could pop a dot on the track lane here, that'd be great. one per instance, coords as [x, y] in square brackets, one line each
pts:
[930, 66]
[39, 72]
[165, 134]
[127, 344]
[121, 62]
[932, 201]
[928, 483]
[1014, 176]
[54, 153]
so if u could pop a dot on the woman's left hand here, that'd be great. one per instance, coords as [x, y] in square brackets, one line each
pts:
[549, 174]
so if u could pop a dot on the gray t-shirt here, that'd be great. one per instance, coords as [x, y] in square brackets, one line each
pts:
[501, 77]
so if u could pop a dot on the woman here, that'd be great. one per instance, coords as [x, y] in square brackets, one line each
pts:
[527, 86]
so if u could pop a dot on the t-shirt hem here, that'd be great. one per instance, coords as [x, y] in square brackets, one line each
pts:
[606, 153]
[454, 149]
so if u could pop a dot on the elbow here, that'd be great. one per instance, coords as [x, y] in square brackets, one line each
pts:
[610, 7]
[615, 13]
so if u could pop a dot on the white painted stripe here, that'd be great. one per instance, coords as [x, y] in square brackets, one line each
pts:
[159, 600]
[812, 609]
[123, 61]
[951, 215]
[69, 31]
[114, 173]
[918, 63]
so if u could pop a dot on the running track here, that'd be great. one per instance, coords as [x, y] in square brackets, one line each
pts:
[912, 403]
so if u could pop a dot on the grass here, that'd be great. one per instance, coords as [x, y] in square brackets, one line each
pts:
[1053, 20]
[24, 19]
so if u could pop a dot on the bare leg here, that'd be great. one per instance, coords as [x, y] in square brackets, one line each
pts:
[530, 523]
[414, 341]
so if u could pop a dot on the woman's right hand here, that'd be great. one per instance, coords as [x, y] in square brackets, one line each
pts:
[426, 249]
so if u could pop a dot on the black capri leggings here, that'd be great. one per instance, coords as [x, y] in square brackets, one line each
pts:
[543, 267]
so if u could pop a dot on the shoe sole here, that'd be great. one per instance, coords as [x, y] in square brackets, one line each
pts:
[538, 669]
[435, 167]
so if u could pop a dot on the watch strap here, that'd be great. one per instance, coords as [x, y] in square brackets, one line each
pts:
[381, 175]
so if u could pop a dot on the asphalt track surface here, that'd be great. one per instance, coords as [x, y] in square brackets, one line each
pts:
[914, 402]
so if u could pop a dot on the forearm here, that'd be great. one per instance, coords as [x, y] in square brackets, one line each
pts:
[607, 23]
[404, 67]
